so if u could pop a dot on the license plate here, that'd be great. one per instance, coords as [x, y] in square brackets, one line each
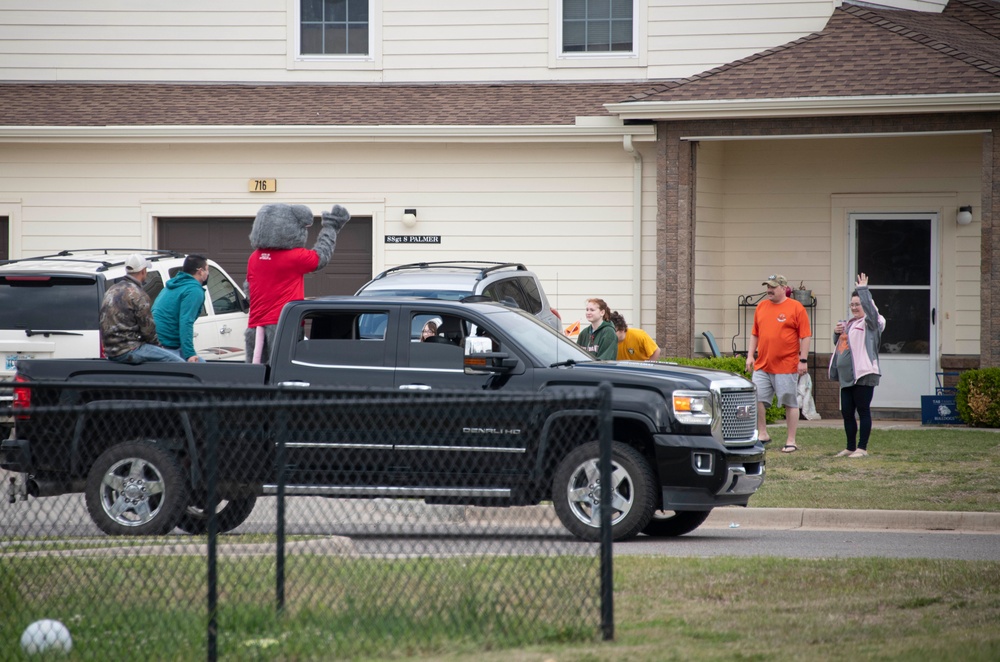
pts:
[10, 361]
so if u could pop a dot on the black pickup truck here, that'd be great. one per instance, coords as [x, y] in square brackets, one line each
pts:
[685, 439]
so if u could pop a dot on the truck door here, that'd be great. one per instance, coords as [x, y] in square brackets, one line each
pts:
[483, 439]
[349, 449]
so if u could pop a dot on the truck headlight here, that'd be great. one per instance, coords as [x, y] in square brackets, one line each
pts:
[693, 407]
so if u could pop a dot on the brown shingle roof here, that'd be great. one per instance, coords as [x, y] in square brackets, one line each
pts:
[114, 104]
[864, 51]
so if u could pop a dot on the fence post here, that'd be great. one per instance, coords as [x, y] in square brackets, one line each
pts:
[605, 432]
[211, 505]
[281, 433]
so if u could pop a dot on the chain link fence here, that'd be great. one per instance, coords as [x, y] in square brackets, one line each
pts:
[187, 522]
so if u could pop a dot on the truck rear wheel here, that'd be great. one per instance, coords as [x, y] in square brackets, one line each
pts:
[576, 492]
[136, 489]
[664, 524]
[229, 515]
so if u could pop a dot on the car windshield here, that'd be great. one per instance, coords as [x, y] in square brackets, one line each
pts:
[545, 344]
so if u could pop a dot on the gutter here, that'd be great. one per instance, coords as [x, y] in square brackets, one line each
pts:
[806, 106]
[607, 131]
[636, 229]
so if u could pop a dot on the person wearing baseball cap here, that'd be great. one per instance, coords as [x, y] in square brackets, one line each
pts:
[777, 354]
[128, 333]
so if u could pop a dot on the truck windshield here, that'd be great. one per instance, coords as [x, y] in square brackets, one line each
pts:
[546, 345]
[54, 303]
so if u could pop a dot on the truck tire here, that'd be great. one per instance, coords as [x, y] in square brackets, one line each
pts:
[230, 514]
[136, 489]
[576, 492]
[682, 521]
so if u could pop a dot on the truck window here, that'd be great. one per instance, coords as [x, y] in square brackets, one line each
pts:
[442, 349]
[342, 338]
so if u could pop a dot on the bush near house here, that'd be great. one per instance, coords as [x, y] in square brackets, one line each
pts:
[978, 397]
[736, 365]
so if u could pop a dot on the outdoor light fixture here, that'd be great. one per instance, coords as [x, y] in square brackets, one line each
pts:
[964, 216]
[410, 217]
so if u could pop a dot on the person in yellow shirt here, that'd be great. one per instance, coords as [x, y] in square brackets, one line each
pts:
[633, 344]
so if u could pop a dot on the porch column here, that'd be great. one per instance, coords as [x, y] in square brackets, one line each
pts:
[675, 243]
[989, 314]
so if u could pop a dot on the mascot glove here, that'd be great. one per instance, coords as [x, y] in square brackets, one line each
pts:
[336, 218]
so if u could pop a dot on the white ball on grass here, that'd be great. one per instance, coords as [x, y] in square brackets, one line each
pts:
[46, 635]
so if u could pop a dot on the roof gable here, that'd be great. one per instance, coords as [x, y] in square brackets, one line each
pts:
[864, 51]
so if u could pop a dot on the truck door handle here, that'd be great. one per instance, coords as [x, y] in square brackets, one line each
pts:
[414, 387]
[225, 329]
[298, 384]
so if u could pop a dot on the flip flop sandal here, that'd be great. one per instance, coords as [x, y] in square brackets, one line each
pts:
[789, 448]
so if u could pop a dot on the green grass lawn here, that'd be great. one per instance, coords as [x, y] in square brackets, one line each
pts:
[495, 608]
[912, 469]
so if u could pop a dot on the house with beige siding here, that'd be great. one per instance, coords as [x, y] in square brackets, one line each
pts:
[665, 155]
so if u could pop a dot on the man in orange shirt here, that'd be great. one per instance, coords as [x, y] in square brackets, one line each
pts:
[780, 339]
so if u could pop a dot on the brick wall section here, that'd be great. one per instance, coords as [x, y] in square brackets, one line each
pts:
[675, 245]
[675, 209]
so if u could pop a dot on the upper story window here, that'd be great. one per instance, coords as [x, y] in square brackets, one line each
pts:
[597, 26]
[334, 27]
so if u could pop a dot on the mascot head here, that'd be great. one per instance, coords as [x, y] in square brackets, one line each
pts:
[281, 226]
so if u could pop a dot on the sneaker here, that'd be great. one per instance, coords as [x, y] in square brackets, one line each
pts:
[861, 452]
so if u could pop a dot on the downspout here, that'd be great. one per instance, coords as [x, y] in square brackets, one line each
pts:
[636, 230]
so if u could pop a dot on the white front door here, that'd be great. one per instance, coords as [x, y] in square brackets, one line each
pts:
[898, 253]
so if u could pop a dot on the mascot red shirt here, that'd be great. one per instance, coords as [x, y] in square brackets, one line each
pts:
[279, 263]
[276, 277]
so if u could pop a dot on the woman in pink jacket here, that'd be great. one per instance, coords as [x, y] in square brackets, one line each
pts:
[855, 365]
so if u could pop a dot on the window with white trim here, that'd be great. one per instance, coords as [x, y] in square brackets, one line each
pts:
[597, 26]
[334, 27]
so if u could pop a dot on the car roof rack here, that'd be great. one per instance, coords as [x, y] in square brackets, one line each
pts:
[151, 254]
[484, 267]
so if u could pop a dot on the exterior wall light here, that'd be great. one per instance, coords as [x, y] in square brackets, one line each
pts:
[409, 217]
[964, 216]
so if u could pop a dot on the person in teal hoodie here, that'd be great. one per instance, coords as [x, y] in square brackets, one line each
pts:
[178, 306]
[599, 338]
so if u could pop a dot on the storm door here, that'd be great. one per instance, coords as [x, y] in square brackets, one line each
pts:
[898, 252]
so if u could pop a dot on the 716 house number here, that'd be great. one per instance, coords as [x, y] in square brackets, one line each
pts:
[262, 185]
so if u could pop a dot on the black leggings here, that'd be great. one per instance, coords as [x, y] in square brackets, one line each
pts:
[857, 398]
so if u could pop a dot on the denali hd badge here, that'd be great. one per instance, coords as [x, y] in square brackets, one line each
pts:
[490, 431]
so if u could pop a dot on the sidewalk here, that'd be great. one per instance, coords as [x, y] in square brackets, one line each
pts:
[825, 519]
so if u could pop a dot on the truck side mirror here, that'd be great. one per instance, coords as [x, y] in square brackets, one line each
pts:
[480, 357]
[485, 362]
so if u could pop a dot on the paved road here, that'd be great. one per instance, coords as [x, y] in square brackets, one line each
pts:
[388, 527]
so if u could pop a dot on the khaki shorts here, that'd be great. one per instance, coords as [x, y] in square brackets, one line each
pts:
[783, 385]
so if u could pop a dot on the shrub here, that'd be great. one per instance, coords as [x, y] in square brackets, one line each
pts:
[978, 397]
[735, 365]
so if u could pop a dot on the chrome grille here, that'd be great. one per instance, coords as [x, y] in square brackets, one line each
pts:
[739, 414]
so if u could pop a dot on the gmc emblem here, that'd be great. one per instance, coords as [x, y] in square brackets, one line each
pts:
[743, 413]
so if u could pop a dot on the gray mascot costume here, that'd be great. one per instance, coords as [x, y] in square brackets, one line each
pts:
[279, 263]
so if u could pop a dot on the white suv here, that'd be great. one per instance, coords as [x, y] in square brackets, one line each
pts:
[49, 306]
[506, 282]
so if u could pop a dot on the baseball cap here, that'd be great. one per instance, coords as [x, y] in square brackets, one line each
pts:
[775, 280]
[135, 262]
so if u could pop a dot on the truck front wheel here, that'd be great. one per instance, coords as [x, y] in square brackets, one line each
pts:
[137, 489]
[667, 523]
[576, 492]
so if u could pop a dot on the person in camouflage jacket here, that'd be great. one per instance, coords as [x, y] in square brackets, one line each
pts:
[128, 332]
